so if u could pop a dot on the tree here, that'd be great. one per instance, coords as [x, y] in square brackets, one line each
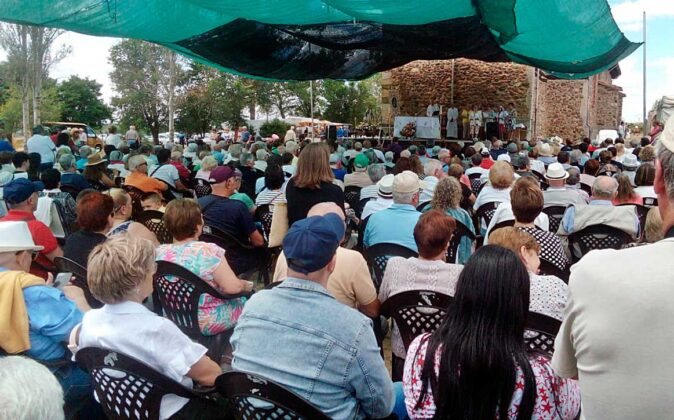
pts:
[11, 112]
[350, 102]
[139, 74]
[81, 102]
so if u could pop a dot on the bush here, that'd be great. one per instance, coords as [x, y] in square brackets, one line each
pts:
[274, 126]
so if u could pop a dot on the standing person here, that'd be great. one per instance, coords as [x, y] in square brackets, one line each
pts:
[475, 117]
[491, 123]
[621, 130]
[433, 109]
[511, 121]
[41, 144]
[465, 122]
[113, 138]
[452, 122]
[502, 121]
[618, 318]
[132, 136]
[290, 134]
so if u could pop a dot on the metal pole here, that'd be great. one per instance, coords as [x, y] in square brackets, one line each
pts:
[452, 99]
[645, 118]
[311, 94]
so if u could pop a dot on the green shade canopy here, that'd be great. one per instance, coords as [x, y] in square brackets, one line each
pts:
[349, 39]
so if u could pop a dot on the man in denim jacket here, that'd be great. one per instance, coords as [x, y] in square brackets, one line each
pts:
[299, 336]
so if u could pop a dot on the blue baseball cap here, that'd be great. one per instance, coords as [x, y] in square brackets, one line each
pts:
[20, 189]
[311, 243]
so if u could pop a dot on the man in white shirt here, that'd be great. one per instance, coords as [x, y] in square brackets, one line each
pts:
[42, 144]
[433, 109]
[558, 194]
[290, 134]
[113, 138]
[616, 337]
[434, 173]
[384, 198]
[166, 172]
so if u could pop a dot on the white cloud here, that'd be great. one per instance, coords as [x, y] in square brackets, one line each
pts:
[629, 16]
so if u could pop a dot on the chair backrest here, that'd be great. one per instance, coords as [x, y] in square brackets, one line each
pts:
[416, 312]
[541, 180]
[264, 215]
[503, 224]
[136, 198]
[540, 332]
[461, 231]
[597, 237]
[549, 269]
[221, 238]
[361, 205]
[421, 206]
[178, 291]
[253, 397]
[126, 387]
[378, 255]
[352, 196]
[65, 265]
[486, 212]
[202, 188]
[642, 214]
[70, 189]
[587, 188]
[555, 215]
[152, 219]
[650, 202]
[475, 182]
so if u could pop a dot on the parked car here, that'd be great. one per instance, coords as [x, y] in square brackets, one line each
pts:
[92, 137]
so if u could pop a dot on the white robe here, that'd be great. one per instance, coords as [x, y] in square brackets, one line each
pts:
[431, 109]
[452, 123]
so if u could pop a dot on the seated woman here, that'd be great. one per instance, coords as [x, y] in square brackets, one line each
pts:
[447, 198]
[272, 193]
[122, 222]
[96, 173]
[208, 163]
[184, 222]
[644, 179]
[626, 194]
[548, 294]
[428, 272]
[120, 275]
[475, 365]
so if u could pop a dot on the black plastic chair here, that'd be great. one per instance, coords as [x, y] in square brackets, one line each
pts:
[202, 188]
[549, 269]
[128, 388]
[540, 333]
[555, 216]
[597, 237]
[422, 206]
[377, 257]
[176, 296]
[650, 202]
[587, 188]
[475, 182]
[253, 397]
[541, 180]
[264, 215]
[232, 245]
[136, 200]
[486, 212]
[361, 205]
[152, 219]
[460, 232]
[503, 224]
[70, 189]
[65, 265]
[352, 196]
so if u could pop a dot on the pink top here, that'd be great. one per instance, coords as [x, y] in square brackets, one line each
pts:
[556, 398]
[636, 199]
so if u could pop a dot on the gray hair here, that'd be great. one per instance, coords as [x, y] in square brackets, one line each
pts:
[291, 146]
[666, 158]
[388, 156]
[376, 172]
[235, 150]
[136, 161]
[604, 187]
[28, 390]
[67, 162]
[261, 154]
[431, 166]
[575, 156]
[574, 176]
[247, 158]
[404, 198]
[85, 151]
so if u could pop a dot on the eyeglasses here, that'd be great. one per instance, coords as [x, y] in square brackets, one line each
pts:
[33, 254]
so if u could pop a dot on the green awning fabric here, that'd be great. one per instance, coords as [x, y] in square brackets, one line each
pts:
[349, 39]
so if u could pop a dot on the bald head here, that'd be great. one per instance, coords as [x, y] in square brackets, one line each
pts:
[321, 209]
[604, 188]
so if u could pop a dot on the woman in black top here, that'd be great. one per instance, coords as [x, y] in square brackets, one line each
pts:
[312, 183]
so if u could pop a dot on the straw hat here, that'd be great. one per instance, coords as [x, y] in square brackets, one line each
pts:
[95, 159]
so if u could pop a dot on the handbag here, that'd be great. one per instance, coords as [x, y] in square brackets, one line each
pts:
[279, 225]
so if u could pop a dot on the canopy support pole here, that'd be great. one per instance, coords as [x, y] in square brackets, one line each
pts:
[311, 95]
[645, 118]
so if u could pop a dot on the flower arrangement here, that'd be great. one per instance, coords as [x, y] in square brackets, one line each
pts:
[409, 130]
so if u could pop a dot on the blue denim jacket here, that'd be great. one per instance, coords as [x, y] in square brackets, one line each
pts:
[299, 336]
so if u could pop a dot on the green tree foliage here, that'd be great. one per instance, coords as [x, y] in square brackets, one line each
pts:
[350, 102]
[274, 126]
[81, 102]
[11, 111]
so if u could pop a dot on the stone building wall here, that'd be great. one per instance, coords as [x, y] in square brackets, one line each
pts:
[567, 108]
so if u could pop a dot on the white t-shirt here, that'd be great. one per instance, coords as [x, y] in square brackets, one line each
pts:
[167, 173]
[42, 145]
[113, 139]
[617, 332]
[132, 329]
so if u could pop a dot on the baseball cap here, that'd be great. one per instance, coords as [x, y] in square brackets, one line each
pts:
[222, 174]
[311, 243]
[630, 161]
[20, 189]
[504, 157]
[334, 157]
[407, 182]
[361, 161]
[484, 151]
[385, 186]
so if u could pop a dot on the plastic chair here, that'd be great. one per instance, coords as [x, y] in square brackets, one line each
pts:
[422, 206]
[475, 182]
[176, 296]
[361, 205]
[486, 212]
[555, 216]
[377, 257]
[65, 265]
[136, 199]
[128, 388]
[650, 202]
[460, 232]
[152, 219]
[540, 333]
[264, 215]
[549, 269]
[642, 214]
[587, 188]
[253, 397]
[597, 237]
[503, 224]
[202, 188]
[70, 189]
[352, 196]
[543, 182]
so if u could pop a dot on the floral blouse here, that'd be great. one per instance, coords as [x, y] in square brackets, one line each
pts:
[556, 398]
[202, 258]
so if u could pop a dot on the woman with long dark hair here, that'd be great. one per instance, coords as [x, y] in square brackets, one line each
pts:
[476, 365]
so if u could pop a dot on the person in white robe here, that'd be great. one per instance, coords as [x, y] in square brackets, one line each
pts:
[452, 122]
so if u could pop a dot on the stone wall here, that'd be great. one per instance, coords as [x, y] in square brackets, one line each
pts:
[562, 109]
[608, 106]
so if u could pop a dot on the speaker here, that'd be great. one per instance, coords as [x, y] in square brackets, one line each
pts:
[332, 132]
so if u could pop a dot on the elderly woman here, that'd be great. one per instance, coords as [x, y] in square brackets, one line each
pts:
[122, 223]
[120, 275]
[626, 194]
[644, 179]
[447, 198]
[501, 177]
[184, 222]
[432, 234]
[208, 163]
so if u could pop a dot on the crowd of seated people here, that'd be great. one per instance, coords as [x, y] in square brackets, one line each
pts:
[324, 304]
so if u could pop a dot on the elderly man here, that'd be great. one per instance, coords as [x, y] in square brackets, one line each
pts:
[41, 143]
[298, 335]
[70, 177]
[384, 197]
[168, 173]
[132, 137]
[138, 177]
[294, 149]
[557, 193]
[376, 172]
[573, 183]
[261, 156]
[402, 215]
[22, 197]
[434, 173]
[177, 162]
[290, 134]
[249, 175]
[359, 177]
[233, 217]
[600, 211]
[37, 318]
[616, 336]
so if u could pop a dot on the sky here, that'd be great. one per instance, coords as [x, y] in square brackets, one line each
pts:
[89, 56]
